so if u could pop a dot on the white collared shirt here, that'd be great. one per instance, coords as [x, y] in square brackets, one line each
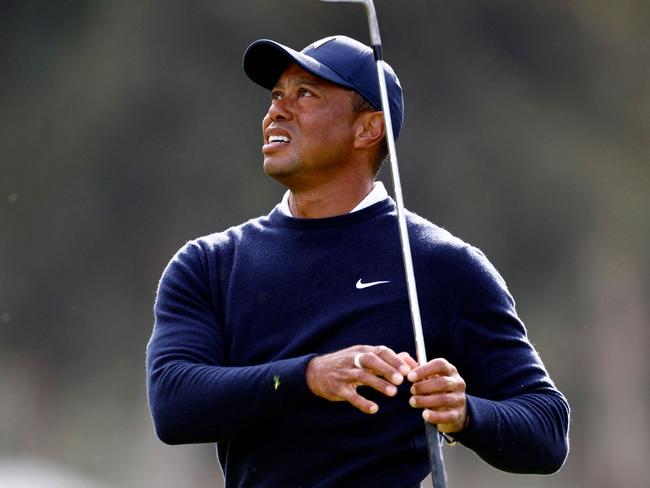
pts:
[377, 194]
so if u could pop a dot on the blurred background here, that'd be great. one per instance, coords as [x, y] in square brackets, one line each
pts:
[127, 128]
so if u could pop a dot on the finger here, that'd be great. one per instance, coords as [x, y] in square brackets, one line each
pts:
[410, 362]
[443, 401]
[438, 366]
[394, 359]
[402, 362]
[374, 363]
[438, 384]
[447, 421]
[364, 377]
[363, 404]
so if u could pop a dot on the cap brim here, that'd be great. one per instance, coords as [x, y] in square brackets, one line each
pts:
[265, 60]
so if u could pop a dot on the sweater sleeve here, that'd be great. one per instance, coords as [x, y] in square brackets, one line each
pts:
[194, 396]
[518, 419]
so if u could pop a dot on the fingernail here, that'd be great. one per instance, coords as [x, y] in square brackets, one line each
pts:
[391, 390]
[404, 369]
[397, 379]
[412, 402]
[426, 415]
[373, 409]
[412, 376]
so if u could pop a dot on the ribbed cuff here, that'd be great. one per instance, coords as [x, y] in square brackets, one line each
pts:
[480, 424]
[288, 378]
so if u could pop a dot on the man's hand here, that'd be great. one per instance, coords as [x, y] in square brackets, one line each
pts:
[440, 390]
[335, 376]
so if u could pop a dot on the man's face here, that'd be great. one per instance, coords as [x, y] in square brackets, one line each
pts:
[308, 130]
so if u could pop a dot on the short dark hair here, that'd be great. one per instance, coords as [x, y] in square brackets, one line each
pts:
[360, 104]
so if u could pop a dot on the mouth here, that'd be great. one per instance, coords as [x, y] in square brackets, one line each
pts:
[279, 139]
[275, 141]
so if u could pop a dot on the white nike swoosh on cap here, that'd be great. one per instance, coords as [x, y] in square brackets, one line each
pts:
[361, 286]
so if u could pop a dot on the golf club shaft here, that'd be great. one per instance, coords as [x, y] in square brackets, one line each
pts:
[438, 475]
[401, 217]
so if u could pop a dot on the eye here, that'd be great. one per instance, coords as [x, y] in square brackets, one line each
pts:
[303, 92]
[276, 95]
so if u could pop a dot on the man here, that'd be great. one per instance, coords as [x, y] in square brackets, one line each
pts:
[287, 340]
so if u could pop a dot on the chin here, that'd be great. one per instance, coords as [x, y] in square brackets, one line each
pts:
[278, 169]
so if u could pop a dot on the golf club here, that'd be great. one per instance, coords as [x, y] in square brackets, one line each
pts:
[435, 454]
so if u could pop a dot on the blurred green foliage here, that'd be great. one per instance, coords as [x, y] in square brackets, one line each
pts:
[127, 128]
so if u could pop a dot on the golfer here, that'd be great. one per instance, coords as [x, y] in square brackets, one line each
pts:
[287, 340]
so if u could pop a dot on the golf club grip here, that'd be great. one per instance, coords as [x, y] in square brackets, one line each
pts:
[438, 476]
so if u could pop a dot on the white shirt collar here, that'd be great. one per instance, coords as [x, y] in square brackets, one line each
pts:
[377, 194]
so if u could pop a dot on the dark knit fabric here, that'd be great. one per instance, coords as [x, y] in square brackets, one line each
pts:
[239, 314]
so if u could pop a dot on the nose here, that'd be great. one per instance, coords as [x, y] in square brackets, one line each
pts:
[280, 109]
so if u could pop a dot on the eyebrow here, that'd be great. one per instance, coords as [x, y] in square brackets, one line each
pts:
[300, 81]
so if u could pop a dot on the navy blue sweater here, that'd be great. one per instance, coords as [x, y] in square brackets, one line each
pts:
[239, 314]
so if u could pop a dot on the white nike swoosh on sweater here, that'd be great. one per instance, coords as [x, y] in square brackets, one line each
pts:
[361, 286]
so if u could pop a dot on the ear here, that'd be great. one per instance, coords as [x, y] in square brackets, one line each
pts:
[369, 129]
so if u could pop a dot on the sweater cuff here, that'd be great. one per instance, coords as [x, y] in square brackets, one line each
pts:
[289, 378]
[480, 424]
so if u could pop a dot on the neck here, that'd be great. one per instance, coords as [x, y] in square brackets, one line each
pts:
[328, 200]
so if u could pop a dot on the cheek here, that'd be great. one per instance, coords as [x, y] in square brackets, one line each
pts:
[329, 144]
[266, 121]
[334, 126]
[337, 132]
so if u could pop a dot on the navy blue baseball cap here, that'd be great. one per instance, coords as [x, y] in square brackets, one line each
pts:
[339, 59]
